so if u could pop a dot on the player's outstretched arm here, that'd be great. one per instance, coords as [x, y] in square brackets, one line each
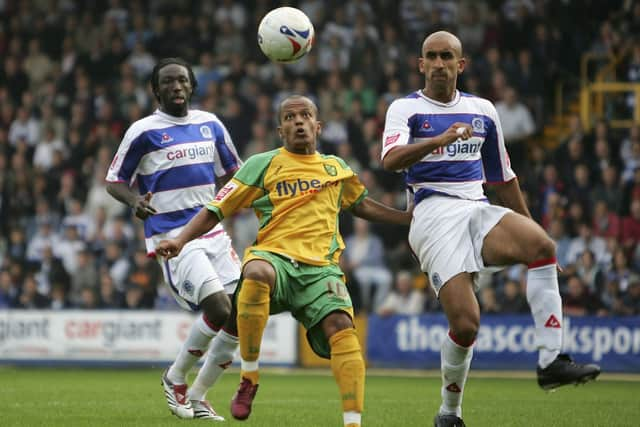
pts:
[374, 211]
[403, 156]
[204, 221]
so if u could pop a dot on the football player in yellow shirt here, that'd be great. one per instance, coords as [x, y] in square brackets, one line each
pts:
[297, 195]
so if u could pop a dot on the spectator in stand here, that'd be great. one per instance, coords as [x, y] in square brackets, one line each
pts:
[24, 127]
[404, 298]
[68, 246]
[611, 298]
[578, 191]
[44, 237]
[630, 234]
[364, 256]
[576, 214]
[88, 299]
[603, 158]
[30, 297]
[59, 299]
[9, 290]
[578, 300]
[116, 260]
[360, 91]
[512, 299]
[557, 232]
[586, 241]
[16, 80]
[489, 301]
[608, 189]
[573, 154]
[145, 273]
[17, 246]
[620, 271]
[517, 126]
[50, 271]
[110, 297]
[551, 183]
[85, 276]
[627, 142]
[631, 300]
[590, 272]
[44, 149]
[605, 223]
[631, 163]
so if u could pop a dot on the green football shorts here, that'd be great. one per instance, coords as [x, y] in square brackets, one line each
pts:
[309, 292]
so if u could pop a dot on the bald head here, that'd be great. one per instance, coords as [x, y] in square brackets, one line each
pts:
[443, 37]
[441, 63]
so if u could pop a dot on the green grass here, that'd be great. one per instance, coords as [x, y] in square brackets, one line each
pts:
[133, 397]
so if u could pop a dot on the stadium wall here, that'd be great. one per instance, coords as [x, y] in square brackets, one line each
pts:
[505, 342]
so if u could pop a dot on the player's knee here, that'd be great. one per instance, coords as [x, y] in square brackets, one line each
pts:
[335, 322]
[260, 271]
[465, 330]
[543, 248]
[217, 308]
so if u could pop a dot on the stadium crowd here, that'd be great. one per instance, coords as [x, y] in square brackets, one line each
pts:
[75, 75]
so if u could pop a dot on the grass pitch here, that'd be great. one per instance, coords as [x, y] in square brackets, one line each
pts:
[134, 397]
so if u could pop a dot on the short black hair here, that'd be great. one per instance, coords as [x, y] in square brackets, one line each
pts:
[155, 81]
[314, 107]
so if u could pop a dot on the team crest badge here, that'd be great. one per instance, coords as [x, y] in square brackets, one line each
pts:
[436, 281]
[205, 131]
[188, 287]
[478, 125]
[331, 170]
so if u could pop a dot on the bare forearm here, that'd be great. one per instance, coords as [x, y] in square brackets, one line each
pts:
[374, 211]
[204, 221]
[404, 156]
[511, 197]
[122, 192]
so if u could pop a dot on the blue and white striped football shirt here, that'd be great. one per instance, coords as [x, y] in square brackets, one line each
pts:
[177, 159]
[460, 168]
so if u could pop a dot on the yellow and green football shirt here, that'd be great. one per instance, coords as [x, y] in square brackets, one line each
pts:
[297, 199]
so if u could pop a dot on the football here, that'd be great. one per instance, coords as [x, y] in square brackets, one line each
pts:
[285, 34]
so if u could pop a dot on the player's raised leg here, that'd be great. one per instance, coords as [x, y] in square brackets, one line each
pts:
[534, 248]
[252, 304]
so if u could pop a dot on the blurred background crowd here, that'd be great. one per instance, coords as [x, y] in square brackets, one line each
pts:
[75, 75]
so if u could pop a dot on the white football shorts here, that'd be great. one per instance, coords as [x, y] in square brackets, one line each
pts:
[447, 233]
[203, 267]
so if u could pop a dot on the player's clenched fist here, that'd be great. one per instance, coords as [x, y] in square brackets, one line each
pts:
[457, 130]
[168, 248]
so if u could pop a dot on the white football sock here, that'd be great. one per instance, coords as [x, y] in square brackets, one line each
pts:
[544, 300]
[351, 417]
[192, 350]
[455, 361]
[249, 366]
[218, 359]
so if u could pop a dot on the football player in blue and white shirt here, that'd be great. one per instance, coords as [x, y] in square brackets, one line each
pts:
[449, 144]
[166, 170]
